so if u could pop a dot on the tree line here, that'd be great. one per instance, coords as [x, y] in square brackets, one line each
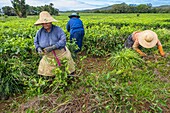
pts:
[20, 9]
[142, 8]
[132, 8]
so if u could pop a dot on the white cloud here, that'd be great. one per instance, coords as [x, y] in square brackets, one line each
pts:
[5, 3]
[66, 4]
[36, 2]
[84, 4]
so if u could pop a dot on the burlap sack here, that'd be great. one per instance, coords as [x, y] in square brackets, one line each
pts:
[46, 66]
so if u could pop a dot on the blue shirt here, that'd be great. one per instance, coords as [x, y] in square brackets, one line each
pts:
[55, 37]
[74, 24]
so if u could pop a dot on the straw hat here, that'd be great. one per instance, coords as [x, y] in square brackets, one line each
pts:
[147, 38]
[44, 17]
[74, 15]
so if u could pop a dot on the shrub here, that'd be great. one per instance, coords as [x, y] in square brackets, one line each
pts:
[11, 79]
[124, 62]
[6, 16]
[125, 59]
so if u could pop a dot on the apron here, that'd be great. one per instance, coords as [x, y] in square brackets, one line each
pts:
[46, 66]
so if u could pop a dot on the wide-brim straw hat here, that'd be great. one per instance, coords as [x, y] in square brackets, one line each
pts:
[74, 15]
[44, 17]
[147, 38]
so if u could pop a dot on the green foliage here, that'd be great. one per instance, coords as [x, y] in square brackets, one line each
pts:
[61, 79]
[110, 96]
[123, 62]
[6, 16]
[11, 76]
[9, 11]
[19, 8]
[146, 88]
[129, 85]
[49, 8]
[36, 85]
[72, 46]
[125, 59]
[125, 8]
[30, 111]
[17, 61]
[103, 43]
[22, 10]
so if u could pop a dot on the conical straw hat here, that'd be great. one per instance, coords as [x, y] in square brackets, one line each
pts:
[74, 15]
[44, 17]
[147, 38]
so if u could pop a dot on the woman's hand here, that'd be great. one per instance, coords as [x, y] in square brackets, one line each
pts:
[40, 51]
[49, 49]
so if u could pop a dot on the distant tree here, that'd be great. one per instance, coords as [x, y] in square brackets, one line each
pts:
[19, 8]
[46, 8]
[50, 9]
[51, 4]
[120, 8]
[133, 9]
[153, 10]
[97, 11]
[7, 10]
[31, 10]
[143, 8]
[0, 12]
[150, 5]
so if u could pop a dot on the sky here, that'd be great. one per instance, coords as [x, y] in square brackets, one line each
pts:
[64, 5]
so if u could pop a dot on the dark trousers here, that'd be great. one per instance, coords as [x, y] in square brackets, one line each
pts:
[78, 35]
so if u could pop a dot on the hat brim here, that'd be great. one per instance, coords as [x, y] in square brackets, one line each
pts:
[39, 21]
[73, 16]
[144, 43]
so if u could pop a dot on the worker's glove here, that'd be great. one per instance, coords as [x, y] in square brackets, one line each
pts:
[140, 52]
[40, 51]
[161, 51]
[49, 49]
